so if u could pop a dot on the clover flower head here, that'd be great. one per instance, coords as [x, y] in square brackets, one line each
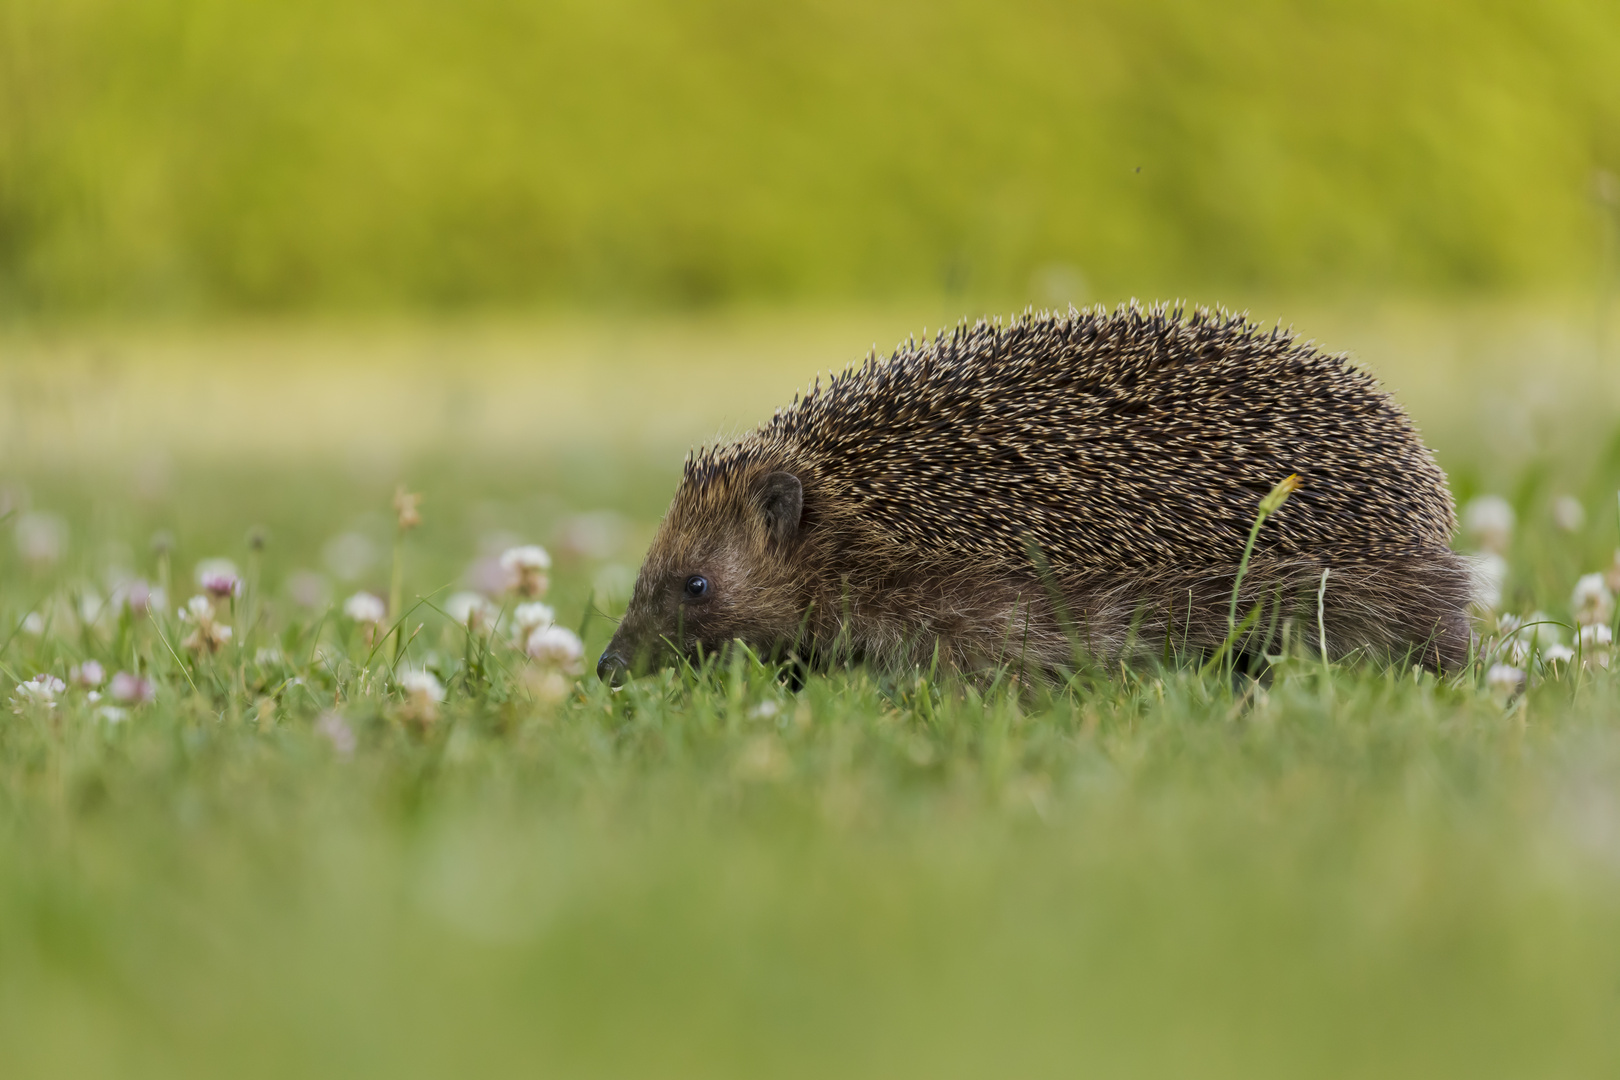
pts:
[1540, 628]
[471, 610]
[131, 689]
[556, 647]
[363, 607]
[91, 607]
[421, 683]
[1568, 513]
[139, 595]
[219, 578]
[1557, 654]
[527, 618]
[41, 690]
[1489, 520]
[526, 557]
[1592, 601]
[88, 674]
[423, 693]
[1504, 679]
[1595, 636]
[336, 730]
[209, 635]
[525, 568]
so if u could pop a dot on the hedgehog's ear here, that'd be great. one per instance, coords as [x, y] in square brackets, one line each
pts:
[781, 500]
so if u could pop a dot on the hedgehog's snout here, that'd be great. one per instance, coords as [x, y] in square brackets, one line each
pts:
[612, 668]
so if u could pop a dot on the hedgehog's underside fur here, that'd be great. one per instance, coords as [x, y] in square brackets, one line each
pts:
[1007, 491]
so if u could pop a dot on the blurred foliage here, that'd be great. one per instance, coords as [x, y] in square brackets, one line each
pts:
[250, 154]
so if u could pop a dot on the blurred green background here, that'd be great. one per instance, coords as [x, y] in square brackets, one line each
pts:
[248, 155]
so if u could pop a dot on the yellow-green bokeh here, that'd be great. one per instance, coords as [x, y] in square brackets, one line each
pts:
[183, 155]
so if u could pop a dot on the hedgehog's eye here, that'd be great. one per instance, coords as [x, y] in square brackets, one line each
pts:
[697, 585]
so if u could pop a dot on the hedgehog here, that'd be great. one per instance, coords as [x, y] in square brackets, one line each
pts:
[1056, 490]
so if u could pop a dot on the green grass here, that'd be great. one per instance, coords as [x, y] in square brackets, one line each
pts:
[1363, 875]
[183, 155]
[1354, 873]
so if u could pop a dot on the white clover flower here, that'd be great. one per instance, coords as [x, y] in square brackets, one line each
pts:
[1568, 513]
[525, 568]
[1529, 636]
[418, 682]
[363, 607]
[131, 689]
[219, 578]
[525, 557]
[527, 618]
[1595, 636]
[1557, 654]
[1489, 520]
[214, 638]
[40, 690]
[210, 635]
[112, 714]
[1592, 601]
[91, 606]
[33, 624]
[1504, 679]
[556, 647]
[1540, 628]
[471, 610]
[336, 730]
[138, 595]
[41, 537]
[1489, 573]
[423, 693]
[88, 674]
[547, 684]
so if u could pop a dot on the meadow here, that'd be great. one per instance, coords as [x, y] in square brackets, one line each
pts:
[303, 849]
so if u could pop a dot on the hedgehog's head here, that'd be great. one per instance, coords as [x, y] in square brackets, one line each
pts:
[723, 567]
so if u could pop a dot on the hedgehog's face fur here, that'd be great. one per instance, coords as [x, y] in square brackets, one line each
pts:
[718, 570]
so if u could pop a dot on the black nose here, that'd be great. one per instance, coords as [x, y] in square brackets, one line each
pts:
[611, 669]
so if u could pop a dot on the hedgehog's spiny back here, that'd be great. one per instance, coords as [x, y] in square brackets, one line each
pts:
[1141, 438]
